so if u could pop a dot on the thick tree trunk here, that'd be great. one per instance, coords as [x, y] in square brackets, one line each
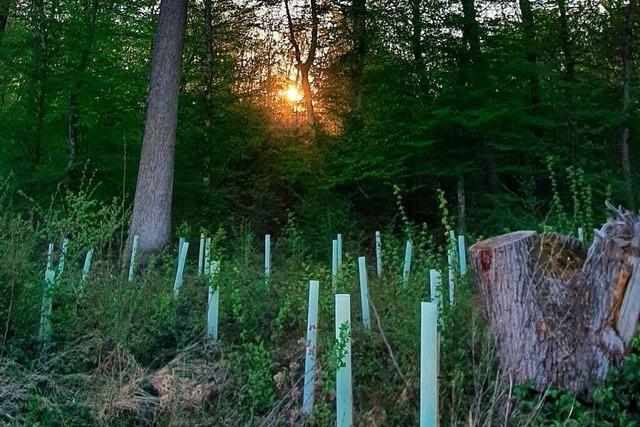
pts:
[154, 189]
[627, 63]
[555, 311]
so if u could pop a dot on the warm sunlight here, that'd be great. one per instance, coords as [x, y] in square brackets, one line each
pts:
[292, 94]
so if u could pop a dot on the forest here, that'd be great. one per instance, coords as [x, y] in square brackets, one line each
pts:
[162, 157]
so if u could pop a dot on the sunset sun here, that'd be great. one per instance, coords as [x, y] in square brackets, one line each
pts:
[292, 94]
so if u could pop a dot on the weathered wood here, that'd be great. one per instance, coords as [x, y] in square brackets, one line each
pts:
[555, 310]
[630, 309]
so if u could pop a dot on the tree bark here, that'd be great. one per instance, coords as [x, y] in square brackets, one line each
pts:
[627, 63]
[151, 219]
[554, 309]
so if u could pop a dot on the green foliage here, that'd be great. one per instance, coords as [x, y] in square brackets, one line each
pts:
[614, 404]
[432, 113]
[244, 153]
[581, 199]
[259, 379]
[111, 337]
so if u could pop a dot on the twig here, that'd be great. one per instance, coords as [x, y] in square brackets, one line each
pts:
[386, 342]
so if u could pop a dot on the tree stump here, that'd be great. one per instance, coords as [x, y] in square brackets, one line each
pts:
[560, 316]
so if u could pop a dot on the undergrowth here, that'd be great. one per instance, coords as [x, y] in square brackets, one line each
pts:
[134, 354]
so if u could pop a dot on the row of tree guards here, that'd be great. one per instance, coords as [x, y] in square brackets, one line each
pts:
[582, 303]
[344, 402]
[429, 338]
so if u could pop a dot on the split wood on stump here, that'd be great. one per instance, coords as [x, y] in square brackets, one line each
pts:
[560, 316]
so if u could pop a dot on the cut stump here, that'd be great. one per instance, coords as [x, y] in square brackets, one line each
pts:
[560, 316]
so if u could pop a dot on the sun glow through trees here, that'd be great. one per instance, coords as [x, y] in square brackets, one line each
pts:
[292, 94]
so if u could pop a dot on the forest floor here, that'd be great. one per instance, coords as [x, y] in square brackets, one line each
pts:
[133, 353]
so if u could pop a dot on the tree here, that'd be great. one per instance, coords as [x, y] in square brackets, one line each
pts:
[76, 87]
[40, 78]
[151, 219]
[417, 49]
[473, 70]
[568, 77]
[304, 66]
[359, 51]
[208, 90]
[626, 58]
[4, 14]
[529, 41]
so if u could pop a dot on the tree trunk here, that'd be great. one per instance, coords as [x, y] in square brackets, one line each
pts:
[208, 87]
[73, 121]
[565, 43]
[475, 77]
[307, 94]
[569, 67]
[358, 17]
[529, 38]
[554, 310]
[470, 30]
[40, 86]
[305, 66]
[151, 219]
[627, 59]
[4, 14]
[416, 45]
